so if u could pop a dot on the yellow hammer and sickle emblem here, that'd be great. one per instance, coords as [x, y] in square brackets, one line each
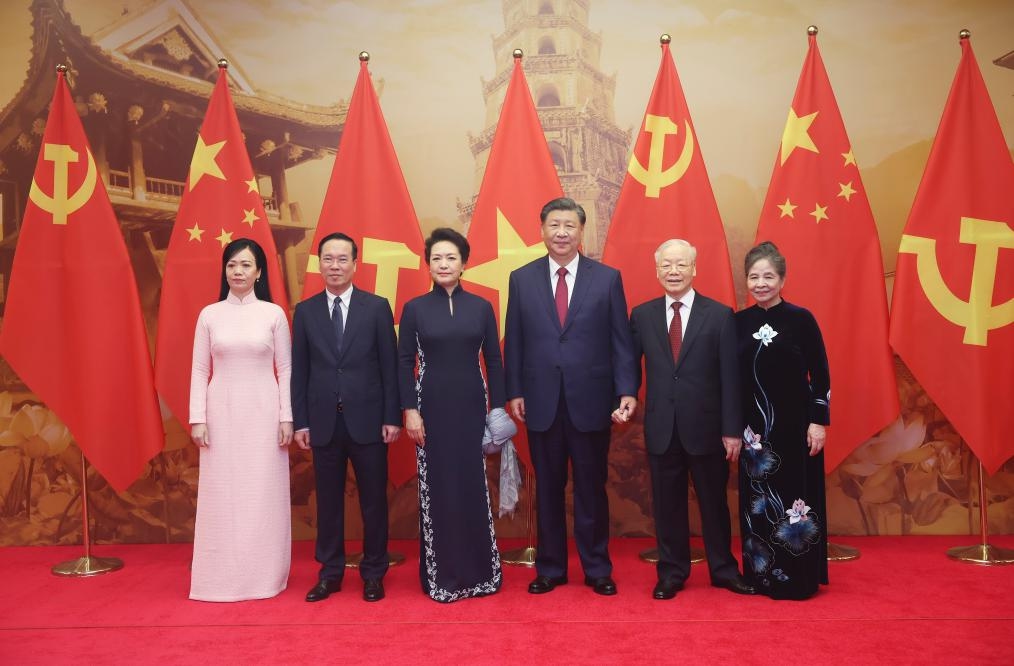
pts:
[655, 178]
[978, 315]
[62, 204]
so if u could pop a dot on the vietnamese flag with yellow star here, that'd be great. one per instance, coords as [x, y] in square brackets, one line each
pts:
[520, 178]
[368, 200]
[952, 314]
[667, 194]
[817, 213]
[72, 327]
[220, 204]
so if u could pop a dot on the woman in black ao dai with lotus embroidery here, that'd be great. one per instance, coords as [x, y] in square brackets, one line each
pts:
[445, 407]
[783, 515]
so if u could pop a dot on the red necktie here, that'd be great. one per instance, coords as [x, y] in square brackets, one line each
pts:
[561, 295]
[675, 332]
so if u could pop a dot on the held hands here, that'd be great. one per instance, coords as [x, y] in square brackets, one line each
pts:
[302, 439]
[623, 413]
[414, 426]
[284, 433]
[732, 445]
[815, 438]
[517, 408]
[389, 433]
[199, 433]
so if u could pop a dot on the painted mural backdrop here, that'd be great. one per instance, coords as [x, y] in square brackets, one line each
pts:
[441, 69]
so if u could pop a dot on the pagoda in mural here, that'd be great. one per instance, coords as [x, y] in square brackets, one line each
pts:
[574, 101]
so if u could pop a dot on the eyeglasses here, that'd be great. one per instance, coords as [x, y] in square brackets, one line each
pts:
[681, 267]
[328, 260]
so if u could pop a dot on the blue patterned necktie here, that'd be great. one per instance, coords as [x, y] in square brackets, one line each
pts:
[339, 325]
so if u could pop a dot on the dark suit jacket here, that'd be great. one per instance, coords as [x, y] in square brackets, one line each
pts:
[701, 390]
[591, 355]
[365, 375]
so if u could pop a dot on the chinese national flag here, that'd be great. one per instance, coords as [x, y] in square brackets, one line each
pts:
[520, 179]
[817, 213]
[666, 194]
[367, 199]
[221, 203]
[952, 314]
[72, 328]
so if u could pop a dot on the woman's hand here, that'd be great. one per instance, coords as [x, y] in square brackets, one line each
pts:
[199, 433]
[815, 438]
[284, 433]
[414, 426]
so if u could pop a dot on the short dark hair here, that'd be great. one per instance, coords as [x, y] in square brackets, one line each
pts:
[562, 203]
[451, 236]
[340, 237]
[766, 250]
[261, 288]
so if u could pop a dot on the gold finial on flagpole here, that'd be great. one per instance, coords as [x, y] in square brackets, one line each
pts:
[518, 54]
[965, 33]
[364, 56]
[664, 39]
[62, 68]
[223, 63]
[811, 30]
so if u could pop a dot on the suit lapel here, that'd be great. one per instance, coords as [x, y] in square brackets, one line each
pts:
[582, 283]
[321, 314]
[657, 315]
[545, 289]
[698, 320]
[353, 323]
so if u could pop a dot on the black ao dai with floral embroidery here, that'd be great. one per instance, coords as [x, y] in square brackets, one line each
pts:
[443, 336]
[783, 512]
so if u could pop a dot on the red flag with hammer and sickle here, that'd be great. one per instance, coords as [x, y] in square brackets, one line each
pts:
[666, 194]
[72, 327]
[952, 314]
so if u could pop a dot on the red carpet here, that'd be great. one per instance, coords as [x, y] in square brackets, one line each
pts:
[902, 602]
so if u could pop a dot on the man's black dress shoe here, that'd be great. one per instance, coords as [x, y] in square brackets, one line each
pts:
[737, 585]
[323, 589]
[666, 589]
[373, 589]
[605, 585]
[543, 584]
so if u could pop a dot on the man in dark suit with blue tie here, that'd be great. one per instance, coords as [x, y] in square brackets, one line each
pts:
[569, 359]
[345, 407]
[692, 417]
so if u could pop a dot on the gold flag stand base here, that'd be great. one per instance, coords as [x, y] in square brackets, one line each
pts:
[651, 555]
[839, 553]
[524, 557]
[982, 553]
[355, 559]
[87, 566]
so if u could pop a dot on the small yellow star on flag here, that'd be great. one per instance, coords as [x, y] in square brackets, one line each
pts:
[249, 216]
[204, 161]
[251, 186]
[819, 213]
[225, 238]
[787, 208]
[849, 158]
[195, 233]
[846, 191]
[797, 134]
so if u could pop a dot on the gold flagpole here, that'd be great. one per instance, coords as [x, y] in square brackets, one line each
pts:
[86, 565]
[525, 557]
[982, 553]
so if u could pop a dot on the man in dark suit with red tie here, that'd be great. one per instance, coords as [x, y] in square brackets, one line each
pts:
[568, 359]
[692, 418]
[345, 407]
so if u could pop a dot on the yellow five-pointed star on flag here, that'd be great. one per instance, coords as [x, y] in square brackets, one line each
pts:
[819, 213]
[225, 238]
[250, 216]
[846, 191]
[797, 134]
[513, 253]
[787, 208]
[204, 161]
[195, 233]
[251, 186]
[849, 158]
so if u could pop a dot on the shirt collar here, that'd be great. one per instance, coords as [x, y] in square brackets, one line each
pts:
[571, 267]
[687, 300]
[344, 296]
